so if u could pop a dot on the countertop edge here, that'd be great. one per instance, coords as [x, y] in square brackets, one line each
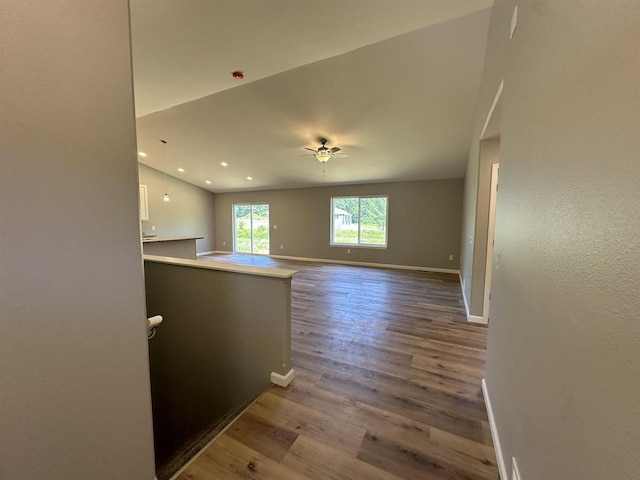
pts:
[223, 267]
[168, 239]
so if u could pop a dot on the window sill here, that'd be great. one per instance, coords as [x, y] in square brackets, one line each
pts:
[355, 245]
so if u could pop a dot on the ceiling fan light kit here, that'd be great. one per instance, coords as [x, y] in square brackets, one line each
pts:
[323, 154]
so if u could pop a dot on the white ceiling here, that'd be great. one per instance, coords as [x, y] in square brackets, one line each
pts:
[400, 104]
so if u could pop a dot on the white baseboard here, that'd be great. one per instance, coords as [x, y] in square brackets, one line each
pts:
[470, 318]
[367, 264]
[282, 380]
[476, 319]
[464, 297]
[502, 468]
[216, 252]
[515, 472]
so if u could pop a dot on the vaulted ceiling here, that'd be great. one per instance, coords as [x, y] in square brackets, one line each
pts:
[393, 83]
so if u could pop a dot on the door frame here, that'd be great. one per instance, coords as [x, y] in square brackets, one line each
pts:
[488, 269]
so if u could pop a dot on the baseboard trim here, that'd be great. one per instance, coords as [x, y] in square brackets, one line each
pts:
[211, 252]
[216, 252]
[464, 297]
[367, 264]
[282, 380]
[470, 318]
[476, 319]
[502, 468]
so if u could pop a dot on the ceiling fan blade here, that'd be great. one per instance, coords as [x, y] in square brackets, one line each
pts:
[307, 155]
[335, 149]
[310, 149]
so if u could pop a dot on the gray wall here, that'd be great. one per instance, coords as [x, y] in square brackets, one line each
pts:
[563, 370]
[219, 355]
[423, 222]
[74, 373]
[190, 211]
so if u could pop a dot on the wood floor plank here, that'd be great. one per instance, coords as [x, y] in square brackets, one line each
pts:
[387, 386]
[422, 411]
[456, 452]
[409, 461]
[318, 461]
[231, 460]
[258, 432]
[343, 435]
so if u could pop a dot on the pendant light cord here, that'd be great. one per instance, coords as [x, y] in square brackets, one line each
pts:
[164, 166]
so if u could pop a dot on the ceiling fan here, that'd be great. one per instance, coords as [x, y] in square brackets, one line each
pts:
[323, 154]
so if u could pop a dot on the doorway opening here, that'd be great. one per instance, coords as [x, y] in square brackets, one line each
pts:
[490, 241]
[251, 228]
[488, 190]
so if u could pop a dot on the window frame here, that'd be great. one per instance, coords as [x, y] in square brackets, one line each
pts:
[359, 244]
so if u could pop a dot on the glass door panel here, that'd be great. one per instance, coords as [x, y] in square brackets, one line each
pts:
[251, 228]
[260, 228]
[242, 228]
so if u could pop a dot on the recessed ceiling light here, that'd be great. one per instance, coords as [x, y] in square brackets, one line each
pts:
[181, 170]
[249, 178]
[208, 182]
[142, 154]
[224, 164]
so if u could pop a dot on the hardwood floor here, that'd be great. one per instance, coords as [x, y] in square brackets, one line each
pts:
[387, 385]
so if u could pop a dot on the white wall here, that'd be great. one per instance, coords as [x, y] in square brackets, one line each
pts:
[563, 363]
[74, 378]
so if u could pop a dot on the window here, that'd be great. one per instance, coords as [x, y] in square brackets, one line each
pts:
[359, 221]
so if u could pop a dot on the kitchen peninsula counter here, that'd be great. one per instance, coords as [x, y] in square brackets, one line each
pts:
[179, 247]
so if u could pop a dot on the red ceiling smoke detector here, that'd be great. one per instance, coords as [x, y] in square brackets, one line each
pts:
[238, 75]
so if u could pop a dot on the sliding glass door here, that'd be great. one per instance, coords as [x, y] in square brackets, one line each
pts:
[251, 228]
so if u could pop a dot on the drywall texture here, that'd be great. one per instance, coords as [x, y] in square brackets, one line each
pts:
[190, 211]
[563, 369]
[489, 154]
[423, 222]
[74, 372]
[217, 356]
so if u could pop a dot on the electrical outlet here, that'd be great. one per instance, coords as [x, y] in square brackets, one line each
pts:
[281, 247]
[450, 257]
[275, 227]
[224, 243]
[153, 227]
